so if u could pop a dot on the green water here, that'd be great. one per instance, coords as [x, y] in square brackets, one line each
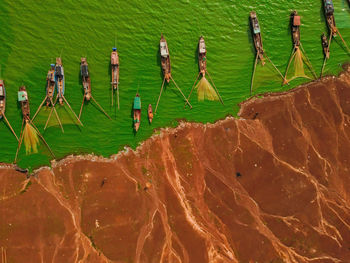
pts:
[33, 33]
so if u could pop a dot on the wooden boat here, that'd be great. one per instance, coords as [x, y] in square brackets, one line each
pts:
[85, 77]
[150, 113]
[202, 56]
[84, 72]
[165, 58]
[295, 29]
[325, 46]
[257, 36]
[329, 12]
[115, 72]
[59, 79]
[2, 99]
[137, 112]
[50, 85]
[23, 99]
[3, 106]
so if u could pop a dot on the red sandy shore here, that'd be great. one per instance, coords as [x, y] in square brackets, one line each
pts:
[272, 186]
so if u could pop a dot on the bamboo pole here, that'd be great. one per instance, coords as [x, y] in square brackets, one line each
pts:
[82, 105]
[252, 80]
[343, 41]
[8, 123]
[100, 107]
[181, 92]
[161, 90]
[20, 141]
[217, 91]
[118, 95]
[279, 72]
[192, 89]
[37, 111]
[112, 94]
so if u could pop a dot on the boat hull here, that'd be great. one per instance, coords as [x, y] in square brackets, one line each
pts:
[165, 59]
[115, 69]
[2, 98]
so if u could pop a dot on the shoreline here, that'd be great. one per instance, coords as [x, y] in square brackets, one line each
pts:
[160, 132]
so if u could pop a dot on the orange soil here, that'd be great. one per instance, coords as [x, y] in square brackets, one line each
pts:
[272, 186]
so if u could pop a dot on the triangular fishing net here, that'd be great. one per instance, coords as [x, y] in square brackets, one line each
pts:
[205, 90]
[299, 67]
[64, 113]
[30, 139]
[265, 76]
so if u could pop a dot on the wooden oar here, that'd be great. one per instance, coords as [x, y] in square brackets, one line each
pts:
[217, 91]
[8, 123]
[161, 90]
[100, 107]
[192, 89]
[20, 141]
[181, 92]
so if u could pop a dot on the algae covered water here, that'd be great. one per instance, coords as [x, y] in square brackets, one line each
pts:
[34, 33]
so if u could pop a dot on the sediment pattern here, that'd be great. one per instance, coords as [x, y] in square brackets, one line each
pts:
[271, 186]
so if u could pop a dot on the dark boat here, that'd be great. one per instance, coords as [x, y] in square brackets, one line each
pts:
[257, 36]
[329, 12]
[295, 29]
[23, 99]
[325, 46]
[85, 77]
[50, 85]
[2, 99]
[59, 78]
[165, 58]
[202, 56]
[150, 113]
[84, 72]
[115, 72]
[137, 112]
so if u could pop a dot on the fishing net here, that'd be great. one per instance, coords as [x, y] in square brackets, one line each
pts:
[265, 77]
[205, 90]
[299, 67]
[64, 113]
[30, 139]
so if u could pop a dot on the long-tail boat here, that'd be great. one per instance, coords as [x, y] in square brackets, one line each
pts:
[150, 113]
[258, 43]
[3, 106]
[60, 87]
[165, 58]
[166, 68]
[329, 12]
[295, 26]
[115, 73]
[257, 36]
[50, 92]
[202, 65]
[137, 112]
[325, 46]
[85, 77]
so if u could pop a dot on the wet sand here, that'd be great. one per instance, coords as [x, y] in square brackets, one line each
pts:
[271, 186]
